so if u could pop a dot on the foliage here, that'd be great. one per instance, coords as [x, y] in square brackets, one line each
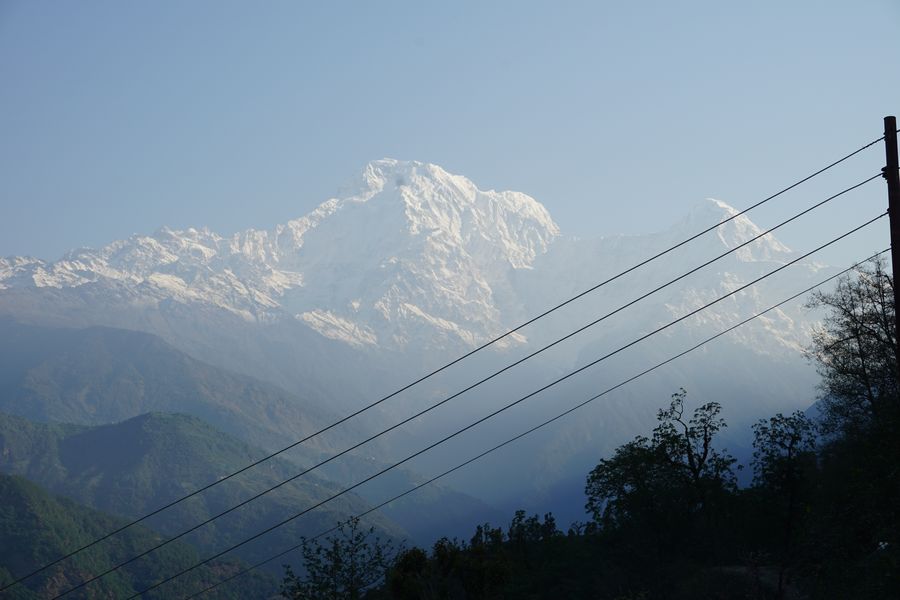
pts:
[630, 484]
[854, 545]
[531, 558]
[784, 472]
[688, 449]
[783, 446]
[662, 490]
[856, 352]
[135, 466]
[344, 566]
[36, 528]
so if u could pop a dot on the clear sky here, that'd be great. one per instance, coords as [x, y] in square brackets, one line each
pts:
[122, 117]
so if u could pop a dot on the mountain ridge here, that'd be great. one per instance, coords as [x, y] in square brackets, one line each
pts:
[412, 267]
[441, 265]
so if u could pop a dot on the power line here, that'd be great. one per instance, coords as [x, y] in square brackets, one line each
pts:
[539, 426]
[469, 388]
[436, 371]
[491, 415]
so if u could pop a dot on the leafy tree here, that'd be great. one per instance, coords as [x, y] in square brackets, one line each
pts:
[782, 447]
[679, 456]
[856, 352]
[855, 541]
[343, 567]
[629, 487]
[409, 577]
[660, 497]
[530, 530]
[784, 469]
[529, 556]
[687, 446]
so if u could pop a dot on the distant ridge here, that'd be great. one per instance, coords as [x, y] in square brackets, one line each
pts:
[101, 375]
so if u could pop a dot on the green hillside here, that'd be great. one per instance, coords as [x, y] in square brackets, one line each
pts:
[36, 528]
[133, 467]
[99, 375]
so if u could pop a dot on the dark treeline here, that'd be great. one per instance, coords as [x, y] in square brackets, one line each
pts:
[666, 518]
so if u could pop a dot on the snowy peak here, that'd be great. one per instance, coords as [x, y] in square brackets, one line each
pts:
[409, 251]
[734, 230]
[408, 255]
[437, 203]
[17, 270]
[411, 248]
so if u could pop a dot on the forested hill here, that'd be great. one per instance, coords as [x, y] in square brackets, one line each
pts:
[136, 466]
[36, 528]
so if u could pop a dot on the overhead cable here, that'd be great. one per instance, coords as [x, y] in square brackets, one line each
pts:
[470, 387]
[489, 416]
[536, 427]
[435, 371]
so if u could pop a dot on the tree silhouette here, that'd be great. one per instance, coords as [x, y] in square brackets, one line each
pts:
[342, 567]
[856, 352]
[855, 541]
[662, 494]
[784, 469]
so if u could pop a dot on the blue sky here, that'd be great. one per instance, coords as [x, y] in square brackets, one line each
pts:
[122, 117]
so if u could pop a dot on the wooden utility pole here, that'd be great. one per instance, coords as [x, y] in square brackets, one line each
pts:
[891, 173]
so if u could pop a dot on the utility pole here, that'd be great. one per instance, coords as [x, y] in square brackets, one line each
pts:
[891, 173]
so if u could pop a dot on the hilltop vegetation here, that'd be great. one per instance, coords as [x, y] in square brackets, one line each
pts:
[667, 522]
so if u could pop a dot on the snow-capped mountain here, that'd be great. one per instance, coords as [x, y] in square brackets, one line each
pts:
[413, 266]
[414, 254]
[573, 265]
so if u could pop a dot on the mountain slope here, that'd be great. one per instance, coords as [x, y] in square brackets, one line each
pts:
[133, 467]
[36, 528]
[100, 375]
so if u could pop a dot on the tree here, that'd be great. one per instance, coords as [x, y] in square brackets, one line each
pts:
[856, 352]
[855, 544]
[687, 447]
[343, 567]
[784, 468]
[629, 487]
[409, 578]
[524, 530]
[782, 447]
[661, 491]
